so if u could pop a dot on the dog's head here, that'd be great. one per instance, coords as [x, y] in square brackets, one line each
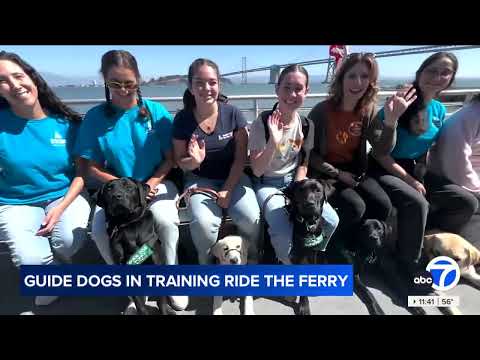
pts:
[123, 198]
[307, 198]
[374, 233]
[231, 250]
[452, 245]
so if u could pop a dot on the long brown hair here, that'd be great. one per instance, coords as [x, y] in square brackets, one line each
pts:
[49, 101]
[369, 98]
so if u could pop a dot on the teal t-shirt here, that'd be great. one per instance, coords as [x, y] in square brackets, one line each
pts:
[127, 144]
[36, 161]
[409, 146]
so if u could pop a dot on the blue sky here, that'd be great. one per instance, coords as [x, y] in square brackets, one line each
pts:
[84, 61]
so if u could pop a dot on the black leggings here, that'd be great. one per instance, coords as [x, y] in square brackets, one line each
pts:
[367, 200]
[447, 206]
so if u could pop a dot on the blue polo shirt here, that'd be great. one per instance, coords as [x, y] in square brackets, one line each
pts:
[36, 161]
[126, 143]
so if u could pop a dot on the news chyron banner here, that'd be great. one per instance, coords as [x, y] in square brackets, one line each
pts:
[192, 280]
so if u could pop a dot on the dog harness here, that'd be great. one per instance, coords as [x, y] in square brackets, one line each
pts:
[318, 243]
[145, 250]
[140, 255]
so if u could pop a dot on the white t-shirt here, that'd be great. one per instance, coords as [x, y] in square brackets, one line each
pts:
[285, 159]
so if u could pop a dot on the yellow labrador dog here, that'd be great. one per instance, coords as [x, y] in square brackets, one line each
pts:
[231, 250]
[467, 256]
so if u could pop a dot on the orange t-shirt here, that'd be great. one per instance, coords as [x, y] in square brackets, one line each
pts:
[344, 130]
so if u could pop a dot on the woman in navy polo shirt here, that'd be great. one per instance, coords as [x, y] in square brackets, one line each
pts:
[210, 143]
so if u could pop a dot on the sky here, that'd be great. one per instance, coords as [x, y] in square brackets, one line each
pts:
[161, 60]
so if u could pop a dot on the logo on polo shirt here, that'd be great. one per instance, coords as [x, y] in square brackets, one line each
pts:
[225, 136]
[58, 140]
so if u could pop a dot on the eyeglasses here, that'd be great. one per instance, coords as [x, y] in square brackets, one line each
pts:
[362, 54]
[116, 85]
[443, 73]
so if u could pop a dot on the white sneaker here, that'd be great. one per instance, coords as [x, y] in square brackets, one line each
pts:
[45, 300]
[131, 309]
[178, 303]
[27, 313]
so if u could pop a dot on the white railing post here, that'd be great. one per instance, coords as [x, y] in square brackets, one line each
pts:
[255, 107]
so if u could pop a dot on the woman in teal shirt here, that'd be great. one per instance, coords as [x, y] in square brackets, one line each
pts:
[128, 136]
[417, 195]
[41, 212]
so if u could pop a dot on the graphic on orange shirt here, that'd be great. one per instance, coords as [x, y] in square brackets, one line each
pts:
[342, 137]
[355, 128]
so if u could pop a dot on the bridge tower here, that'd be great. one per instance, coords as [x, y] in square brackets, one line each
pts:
[244, 70]
[330, 71]
[274, 74]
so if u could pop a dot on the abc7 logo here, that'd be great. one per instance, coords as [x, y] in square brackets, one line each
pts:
[445, 274]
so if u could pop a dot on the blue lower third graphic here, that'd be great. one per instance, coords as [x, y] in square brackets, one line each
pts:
[193, 280]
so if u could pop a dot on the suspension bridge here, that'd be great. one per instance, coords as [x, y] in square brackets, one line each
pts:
[275, 69]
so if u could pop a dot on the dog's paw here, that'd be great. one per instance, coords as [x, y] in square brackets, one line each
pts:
[165, 309]
[218, 311]
[417, 311]
[249, 312]
[303, 309]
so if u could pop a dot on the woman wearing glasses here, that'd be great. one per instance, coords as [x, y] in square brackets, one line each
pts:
[343, 124]
[128, 136]
[413, 191]
[43, 217]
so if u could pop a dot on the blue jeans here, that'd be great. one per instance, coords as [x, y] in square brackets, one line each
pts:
[19, 224]
[280, 227]
[207, 215]
[166, 219]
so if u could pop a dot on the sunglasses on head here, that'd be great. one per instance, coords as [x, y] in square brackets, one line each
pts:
[117, 85]
[362, 54]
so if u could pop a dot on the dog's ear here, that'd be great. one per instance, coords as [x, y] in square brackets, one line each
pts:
[143, 190]
[216, 250]
[244, 252]
[473, 255]
[99, 196]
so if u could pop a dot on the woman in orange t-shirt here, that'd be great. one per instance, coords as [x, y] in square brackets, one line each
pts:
[343, 124]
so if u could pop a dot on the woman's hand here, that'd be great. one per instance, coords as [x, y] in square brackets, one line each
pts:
[396, 105]
[417, 185]
[224, 197]
[153, 183]
[196, 149]
[49, 221]
[348, 178]
[275, 127]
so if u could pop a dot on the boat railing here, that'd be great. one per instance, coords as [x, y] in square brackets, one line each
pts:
[253, 105]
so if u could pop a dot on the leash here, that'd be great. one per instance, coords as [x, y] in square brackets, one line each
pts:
[187, 194]
[196, 190]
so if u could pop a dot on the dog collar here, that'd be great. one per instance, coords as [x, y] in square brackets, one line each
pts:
[318, 243]
[140, 255]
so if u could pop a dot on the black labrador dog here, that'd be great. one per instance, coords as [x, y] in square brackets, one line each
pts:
[373, 249]
[130, 226]
[307, 198]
